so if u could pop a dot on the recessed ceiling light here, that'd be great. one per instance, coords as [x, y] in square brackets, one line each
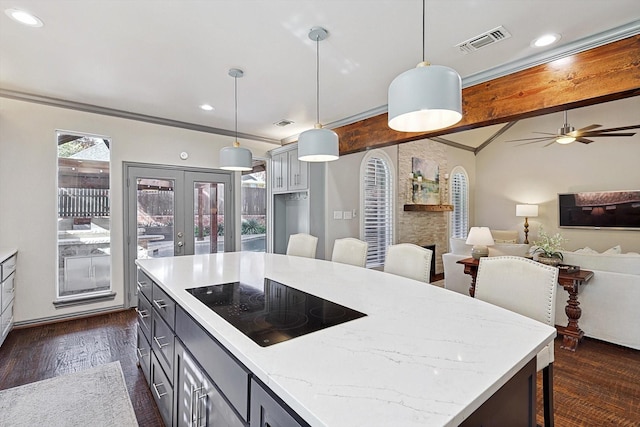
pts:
[207, 107]
[24, 17]
[545, 40]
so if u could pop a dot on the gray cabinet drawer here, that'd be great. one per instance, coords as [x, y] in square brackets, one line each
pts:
[7, 291]
[144, 284]
[164, 305]
[228, 374]
[144, 315]
[266, 411]
[144, 354]
[162, 343]
[8, 267]
[162, 391]
[6, 322]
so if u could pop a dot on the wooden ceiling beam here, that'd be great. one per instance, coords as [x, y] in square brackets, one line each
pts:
[601, 74]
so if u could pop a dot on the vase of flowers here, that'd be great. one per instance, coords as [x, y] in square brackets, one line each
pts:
[548, 248]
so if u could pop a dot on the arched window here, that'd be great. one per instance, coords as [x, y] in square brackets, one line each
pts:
[460, 200]
[376, 205]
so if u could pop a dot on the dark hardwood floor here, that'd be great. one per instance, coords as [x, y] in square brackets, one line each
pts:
[598, 385]
[41, 352]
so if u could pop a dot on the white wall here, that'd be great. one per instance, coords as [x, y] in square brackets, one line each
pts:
[28, 170]
[508, 175]
[343, 194]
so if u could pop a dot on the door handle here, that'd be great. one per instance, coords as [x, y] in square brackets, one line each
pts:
[180, 244]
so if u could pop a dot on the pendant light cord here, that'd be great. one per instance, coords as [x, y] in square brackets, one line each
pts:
[235, 86]
[318, 79]
[424, 35]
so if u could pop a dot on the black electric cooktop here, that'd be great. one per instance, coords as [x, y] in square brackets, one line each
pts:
[273, 313]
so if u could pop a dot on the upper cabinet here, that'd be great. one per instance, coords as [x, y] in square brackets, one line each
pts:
[288, 173]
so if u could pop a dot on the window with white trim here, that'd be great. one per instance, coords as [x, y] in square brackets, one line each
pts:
[376, 205]
[460, 200]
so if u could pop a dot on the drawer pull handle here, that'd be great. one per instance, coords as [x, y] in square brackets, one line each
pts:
[142, 313]
[157, 340]
[142, 356]
[160, 303]
[155, 388]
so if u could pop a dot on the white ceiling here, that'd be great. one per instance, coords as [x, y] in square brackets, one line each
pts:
[163, 58]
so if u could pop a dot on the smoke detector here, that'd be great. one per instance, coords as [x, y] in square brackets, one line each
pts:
[485, 39]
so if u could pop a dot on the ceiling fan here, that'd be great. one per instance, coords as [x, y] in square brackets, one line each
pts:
[567, 134]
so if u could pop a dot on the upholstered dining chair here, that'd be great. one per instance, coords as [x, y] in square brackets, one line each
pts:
[302, 244]
[528, 288]
[409, 260]
[350, 251]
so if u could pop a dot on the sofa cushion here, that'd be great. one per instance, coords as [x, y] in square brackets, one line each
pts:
[620, 263]
[505, 236]
[586, 250]
[459, 246]
[613, 251]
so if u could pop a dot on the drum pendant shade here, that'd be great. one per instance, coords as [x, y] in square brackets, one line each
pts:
[425, 98]
[236, 158]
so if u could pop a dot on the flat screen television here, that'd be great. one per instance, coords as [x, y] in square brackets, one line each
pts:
[603, 209]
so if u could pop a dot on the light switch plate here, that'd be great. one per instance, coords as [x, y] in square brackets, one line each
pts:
[337, 214]
[347, 215]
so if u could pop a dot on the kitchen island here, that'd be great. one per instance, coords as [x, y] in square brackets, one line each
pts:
[422, 355]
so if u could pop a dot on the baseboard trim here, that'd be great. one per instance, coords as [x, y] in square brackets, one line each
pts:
[64, 317]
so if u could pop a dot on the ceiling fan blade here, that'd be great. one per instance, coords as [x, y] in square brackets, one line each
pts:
[553, 141]
[584, 129]
[584, 140]
[533, 142]
[529, 139]
[598, 135]
[620, 128]
[546, 133]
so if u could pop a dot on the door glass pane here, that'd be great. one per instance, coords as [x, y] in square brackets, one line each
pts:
[84, 237]
[254, 209]
[208, 217]
[155, 211]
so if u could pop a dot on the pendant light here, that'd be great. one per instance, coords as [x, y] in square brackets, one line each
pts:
[425, 98]
[318, 144]
[236, 158]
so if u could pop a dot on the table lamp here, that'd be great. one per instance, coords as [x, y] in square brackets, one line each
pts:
[480, 238]
[527, 211]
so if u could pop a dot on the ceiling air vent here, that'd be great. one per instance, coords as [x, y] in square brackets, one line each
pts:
[485, 39]
[283, 123]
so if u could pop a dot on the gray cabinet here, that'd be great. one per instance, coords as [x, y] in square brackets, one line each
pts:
[279, 172]
[297, 172]
[7, 292]
[287, 172]
[266, 411]
[198, 401]
[299, 206]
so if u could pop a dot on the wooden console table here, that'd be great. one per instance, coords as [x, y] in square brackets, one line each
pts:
[571, 334]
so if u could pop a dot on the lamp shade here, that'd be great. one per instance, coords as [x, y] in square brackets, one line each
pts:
[236, 159]
[425, 98]
[529, 211]
[480, 236]
[318, 145]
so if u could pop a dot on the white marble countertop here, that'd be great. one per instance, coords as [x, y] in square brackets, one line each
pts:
[6, 253]
[422, 356]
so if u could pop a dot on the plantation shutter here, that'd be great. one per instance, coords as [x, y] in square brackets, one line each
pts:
[460, 202]
[378, 210]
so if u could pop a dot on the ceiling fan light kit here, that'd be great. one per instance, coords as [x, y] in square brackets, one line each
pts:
[236, 158]
[426, 98]
[318, 144]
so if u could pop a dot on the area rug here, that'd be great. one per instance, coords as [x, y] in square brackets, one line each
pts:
[94, 397]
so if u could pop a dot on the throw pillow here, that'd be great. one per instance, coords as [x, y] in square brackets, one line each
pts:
[505, 240]
[613, 251]
[586, 250]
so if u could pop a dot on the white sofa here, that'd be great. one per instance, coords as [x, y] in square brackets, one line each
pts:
[610, 300]
[454, 277]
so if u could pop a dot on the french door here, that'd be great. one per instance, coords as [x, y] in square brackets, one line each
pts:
[174, 212]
